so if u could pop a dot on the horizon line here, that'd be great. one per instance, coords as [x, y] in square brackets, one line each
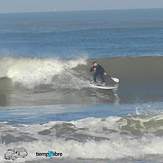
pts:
[90, 10]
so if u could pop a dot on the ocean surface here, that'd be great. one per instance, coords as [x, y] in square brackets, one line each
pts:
[46, 103]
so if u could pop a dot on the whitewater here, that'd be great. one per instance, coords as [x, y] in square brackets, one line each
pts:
[34, 72]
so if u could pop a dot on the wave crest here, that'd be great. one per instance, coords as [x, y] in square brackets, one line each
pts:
[30, 72]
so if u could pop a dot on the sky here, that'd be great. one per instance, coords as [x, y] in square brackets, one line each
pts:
[69, 5]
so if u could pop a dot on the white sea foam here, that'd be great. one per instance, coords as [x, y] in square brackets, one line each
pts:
[34, 72]
[114, 149]
[112, 143]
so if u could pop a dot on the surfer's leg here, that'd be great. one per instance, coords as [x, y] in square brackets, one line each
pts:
[102, 77]
[94, 77]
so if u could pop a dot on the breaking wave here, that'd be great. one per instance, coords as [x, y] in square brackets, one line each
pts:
[91, 138]
[34, 72]
[74, 73]
[58, 81]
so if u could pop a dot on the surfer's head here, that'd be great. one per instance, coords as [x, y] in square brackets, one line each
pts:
[94, 63]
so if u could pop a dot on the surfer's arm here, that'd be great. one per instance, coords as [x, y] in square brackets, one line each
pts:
[91, 69]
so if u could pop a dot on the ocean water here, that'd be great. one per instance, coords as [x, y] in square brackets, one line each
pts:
[46, 103]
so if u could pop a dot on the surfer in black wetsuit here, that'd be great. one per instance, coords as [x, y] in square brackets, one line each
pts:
[98, 72]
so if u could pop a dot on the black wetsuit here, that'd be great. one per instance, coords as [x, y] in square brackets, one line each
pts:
[98, 72]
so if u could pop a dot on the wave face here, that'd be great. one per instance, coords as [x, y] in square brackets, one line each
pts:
[91, 138]
[62, 79]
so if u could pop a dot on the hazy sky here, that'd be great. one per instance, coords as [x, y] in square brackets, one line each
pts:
[62, 5]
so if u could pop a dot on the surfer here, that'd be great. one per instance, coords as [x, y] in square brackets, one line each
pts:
[98, 72]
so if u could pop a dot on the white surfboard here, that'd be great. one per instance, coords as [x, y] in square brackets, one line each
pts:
[100, 86]
[103, 87]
